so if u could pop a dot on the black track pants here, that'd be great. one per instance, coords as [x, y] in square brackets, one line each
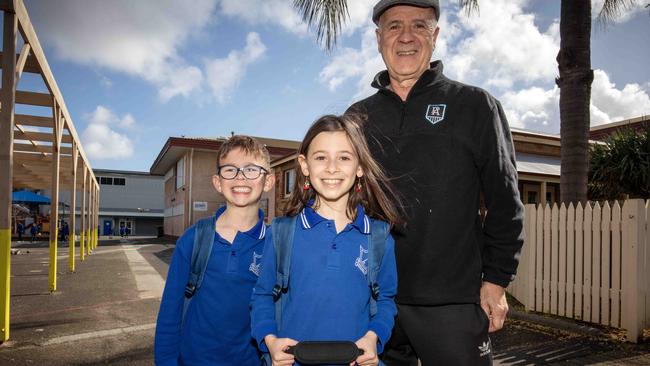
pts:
[439, 335]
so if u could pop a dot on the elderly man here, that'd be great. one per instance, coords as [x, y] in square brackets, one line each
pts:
[445, 144]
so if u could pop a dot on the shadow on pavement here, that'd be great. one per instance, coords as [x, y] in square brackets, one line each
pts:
[165, 255]
[45, 323]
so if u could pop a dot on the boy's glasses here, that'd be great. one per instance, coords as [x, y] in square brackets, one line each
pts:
[249, 171]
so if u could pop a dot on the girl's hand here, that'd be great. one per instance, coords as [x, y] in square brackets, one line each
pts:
[277, 346]
[368, 343]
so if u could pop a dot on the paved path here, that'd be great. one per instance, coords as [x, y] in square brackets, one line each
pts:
[105, 313]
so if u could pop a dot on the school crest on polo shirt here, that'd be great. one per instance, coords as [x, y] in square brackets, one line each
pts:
[435, 113]
[360, 262]
[255, 265]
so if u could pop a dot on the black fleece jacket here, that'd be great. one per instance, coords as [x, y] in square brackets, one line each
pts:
[443, 146]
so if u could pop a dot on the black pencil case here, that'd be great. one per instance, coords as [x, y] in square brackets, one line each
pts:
[325, 352]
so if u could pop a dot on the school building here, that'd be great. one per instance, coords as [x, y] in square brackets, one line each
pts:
[187, 166]
[130, 199]
[602, 132]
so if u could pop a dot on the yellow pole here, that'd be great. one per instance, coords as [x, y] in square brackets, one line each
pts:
[94, 227]
[90, 221]
[82, 215]
[73, 209]
[5, 282]
[7, 99]
[97, 220]
[54, 204]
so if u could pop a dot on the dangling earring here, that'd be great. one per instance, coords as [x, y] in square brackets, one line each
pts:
[357, 188]
[307, 185]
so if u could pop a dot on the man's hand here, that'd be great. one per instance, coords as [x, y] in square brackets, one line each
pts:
[368, 343]
[277, 346]
[495, 305]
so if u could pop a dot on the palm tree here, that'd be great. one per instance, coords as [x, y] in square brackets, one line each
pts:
[574, 81]
[326, 16]
[621, 166]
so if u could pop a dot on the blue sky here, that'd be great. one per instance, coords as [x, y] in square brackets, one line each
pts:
[133, 73]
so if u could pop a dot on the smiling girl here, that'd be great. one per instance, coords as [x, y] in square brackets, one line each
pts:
[339, 191]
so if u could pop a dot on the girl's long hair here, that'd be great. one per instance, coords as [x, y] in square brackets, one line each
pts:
[377, 196]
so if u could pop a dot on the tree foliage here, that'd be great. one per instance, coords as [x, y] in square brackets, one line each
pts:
[326, 16]
[621, 166]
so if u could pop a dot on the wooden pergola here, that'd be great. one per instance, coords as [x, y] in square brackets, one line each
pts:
[38, 151]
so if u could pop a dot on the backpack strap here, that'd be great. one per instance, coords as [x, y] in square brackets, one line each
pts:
[282, 229]
[376, 249]
[203, 240]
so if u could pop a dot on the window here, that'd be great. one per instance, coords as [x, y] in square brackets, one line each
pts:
[289, 181]
[180, 174]
[119, 181]
[106, 180]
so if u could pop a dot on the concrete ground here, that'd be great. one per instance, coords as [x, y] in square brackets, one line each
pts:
[105, 314]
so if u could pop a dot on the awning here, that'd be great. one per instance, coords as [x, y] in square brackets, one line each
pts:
[25, 196]
[538, 164]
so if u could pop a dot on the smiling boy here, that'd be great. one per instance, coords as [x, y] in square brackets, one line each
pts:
[215, 329]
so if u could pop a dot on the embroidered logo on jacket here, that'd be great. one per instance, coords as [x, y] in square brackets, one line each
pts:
[435, 113]
[255, 266]
[361, 263]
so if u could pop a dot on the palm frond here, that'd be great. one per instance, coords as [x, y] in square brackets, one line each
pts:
[326, 16]
[470, 6]
[612, 9]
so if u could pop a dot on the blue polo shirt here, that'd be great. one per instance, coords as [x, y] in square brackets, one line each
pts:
[217, 322]
[328, 296]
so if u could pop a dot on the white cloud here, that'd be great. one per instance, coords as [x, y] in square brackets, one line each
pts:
[502, 53]
[349, 63]
[610, 104]
[224, 74]
[141, 38]
[538, 109]
[101, 141]
[360, 12]
[275, 12]
[533, 109]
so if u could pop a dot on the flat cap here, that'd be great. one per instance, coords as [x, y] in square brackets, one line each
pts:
[383, 5]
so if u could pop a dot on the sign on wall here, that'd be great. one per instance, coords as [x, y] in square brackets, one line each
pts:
[200, 206]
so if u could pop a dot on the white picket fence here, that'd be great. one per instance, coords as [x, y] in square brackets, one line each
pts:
[590, 263]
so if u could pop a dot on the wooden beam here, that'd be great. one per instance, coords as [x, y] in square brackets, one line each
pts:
[22, 59]
[36, 121]
[7, 6]
[39, 136]
[40, 148]
[33, 98]
[31, 64]
[30, 158]
[29, 35]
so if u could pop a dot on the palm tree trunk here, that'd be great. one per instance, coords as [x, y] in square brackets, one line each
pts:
[576, 75]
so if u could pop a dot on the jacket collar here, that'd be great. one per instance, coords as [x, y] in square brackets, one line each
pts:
[432, 75]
